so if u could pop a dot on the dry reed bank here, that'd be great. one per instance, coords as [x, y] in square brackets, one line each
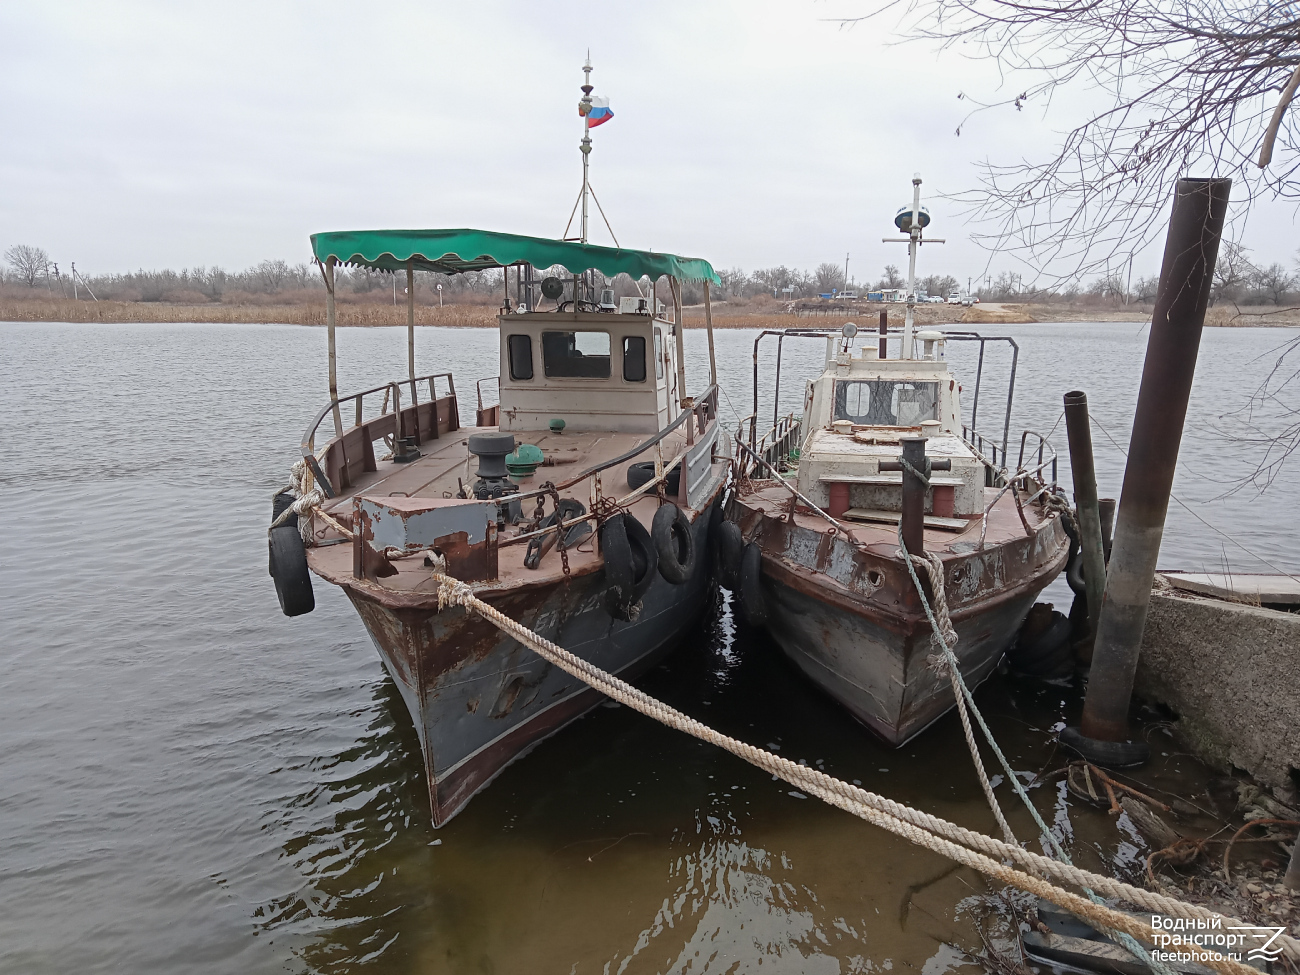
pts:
[41, 308]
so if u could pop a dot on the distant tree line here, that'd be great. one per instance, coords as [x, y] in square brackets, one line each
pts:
[1238, 279]
[33, 268]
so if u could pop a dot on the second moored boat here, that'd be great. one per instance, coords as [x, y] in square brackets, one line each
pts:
[820, 502]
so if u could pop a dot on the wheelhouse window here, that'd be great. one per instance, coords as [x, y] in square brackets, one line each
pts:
[886, 402]
[576, 355]
[634, 358]
[659, 353]
[519, 350]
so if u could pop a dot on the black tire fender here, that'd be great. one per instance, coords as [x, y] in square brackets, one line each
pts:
[730, 542]
[1046, 653]
[752, 603]
[290, 572]
[645, 558]
[674, 543]
[643, 471]
[630, 565]
[279, 503]
[1107, 754]
[1074, 572]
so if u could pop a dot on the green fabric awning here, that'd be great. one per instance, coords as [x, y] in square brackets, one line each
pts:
[457, 251]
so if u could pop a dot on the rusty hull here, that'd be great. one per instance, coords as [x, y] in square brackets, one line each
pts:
[479, 699]
[849, 617]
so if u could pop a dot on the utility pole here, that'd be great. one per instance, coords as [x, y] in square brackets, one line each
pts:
[846, 272]
[84, 283]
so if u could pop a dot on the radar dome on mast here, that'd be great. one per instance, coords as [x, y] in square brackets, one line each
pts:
[903, 219]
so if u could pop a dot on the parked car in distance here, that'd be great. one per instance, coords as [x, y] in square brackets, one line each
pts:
[954, 298]
[935, 299]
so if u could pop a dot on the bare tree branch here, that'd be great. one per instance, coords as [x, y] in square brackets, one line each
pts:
[1189, 85]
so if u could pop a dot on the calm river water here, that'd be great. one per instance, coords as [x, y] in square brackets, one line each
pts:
[191, 781]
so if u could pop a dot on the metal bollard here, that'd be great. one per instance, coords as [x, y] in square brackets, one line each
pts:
[1191, 248]
[913, 508]
[883, 343]
[1085, 499]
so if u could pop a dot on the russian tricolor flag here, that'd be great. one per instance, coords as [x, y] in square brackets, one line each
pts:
[599, 113]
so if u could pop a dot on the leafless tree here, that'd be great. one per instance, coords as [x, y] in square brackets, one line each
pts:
[1187, 87]
[272, 275]
[1144, 289]
[1232, 272]
[28, 263]
[734, 281]
[940, 284]
[1274, 283]
[829, 276]
[891, 278]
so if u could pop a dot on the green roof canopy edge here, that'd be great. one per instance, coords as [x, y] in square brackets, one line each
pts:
[458, 251]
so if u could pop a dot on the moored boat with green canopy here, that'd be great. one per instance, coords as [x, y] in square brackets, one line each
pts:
[579, 504]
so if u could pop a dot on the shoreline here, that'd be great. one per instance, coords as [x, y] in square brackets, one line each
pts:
[484, 316]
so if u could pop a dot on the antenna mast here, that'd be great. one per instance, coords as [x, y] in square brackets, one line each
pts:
[585, 147]
[914, 237]
[911, 220]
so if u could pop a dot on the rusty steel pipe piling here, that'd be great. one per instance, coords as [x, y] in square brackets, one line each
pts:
[882, 347]
[1106, 509]
[1191, 248]
[1079, 432]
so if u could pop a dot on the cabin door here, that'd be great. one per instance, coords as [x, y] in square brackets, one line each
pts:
[665, 376]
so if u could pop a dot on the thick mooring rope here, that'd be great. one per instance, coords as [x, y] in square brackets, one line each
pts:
[307, 503]
[955, 842]
[945, 636]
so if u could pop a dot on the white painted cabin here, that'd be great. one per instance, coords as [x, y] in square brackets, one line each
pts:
[597, 372]
[857, 412]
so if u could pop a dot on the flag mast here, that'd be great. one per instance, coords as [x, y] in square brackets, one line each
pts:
[584, 108]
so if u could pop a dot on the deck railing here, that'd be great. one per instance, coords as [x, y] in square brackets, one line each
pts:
[774, 447]
[353, 447]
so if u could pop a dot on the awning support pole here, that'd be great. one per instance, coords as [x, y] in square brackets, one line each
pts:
[410, 324]
[330, 322]
[678, 328]
[708, 326]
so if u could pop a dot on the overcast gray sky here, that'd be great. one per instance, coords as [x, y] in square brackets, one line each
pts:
[751, 133]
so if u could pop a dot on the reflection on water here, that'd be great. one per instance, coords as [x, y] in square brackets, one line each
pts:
[194, 782]
[621, 846]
